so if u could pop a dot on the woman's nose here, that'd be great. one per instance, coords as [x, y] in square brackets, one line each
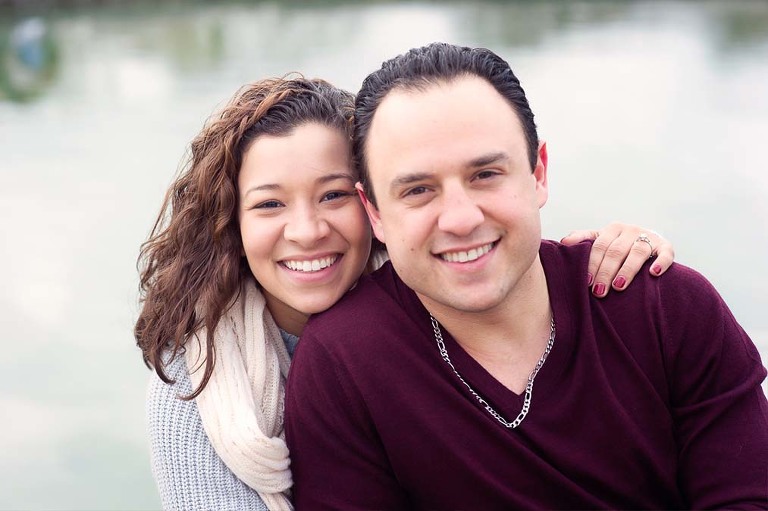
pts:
[306, 226]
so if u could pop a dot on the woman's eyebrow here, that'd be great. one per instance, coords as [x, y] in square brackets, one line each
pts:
[325, 178]
[334, 176]
[260, 188]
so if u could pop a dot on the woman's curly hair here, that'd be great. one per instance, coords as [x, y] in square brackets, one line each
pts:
[191, 267]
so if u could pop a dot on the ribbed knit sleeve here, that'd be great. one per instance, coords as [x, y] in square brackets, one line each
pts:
[188, 472]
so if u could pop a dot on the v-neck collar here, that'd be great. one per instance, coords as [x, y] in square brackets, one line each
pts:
[505, 401]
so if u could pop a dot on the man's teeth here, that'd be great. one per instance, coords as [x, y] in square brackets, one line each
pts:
[463, 257]
[310, 266]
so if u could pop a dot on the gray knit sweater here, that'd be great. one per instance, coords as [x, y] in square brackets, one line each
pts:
[189, 474]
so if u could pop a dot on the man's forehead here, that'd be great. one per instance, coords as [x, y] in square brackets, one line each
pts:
[435, 90]
[467, 107]
[434, 104]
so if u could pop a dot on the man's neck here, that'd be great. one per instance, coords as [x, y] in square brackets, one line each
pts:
[508, 339]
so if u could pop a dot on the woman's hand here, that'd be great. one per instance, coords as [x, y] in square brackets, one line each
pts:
[618, 253]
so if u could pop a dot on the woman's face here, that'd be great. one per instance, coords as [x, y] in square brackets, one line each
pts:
[305, 234]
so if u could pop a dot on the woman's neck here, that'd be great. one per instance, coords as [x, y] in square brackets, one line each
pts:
[287, 318]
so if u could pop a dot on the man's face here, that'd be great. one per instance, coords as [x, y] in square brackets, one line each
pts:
[458, 205]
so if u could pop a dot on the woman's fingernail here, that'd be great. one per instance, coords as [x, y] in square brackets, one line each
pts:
[589, 279]
[619, 282]
[599, 289]
[656, 269]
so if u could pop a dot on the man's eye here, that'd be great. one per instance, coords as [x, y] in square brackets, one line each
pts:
[485, 174]
[418, 190]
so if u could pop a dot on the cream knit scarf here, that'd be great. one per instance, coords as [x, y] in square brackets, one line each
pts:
[242, 405]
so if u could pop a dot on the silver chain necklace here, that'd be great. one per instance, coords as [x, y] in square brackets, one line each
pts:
[528, 388]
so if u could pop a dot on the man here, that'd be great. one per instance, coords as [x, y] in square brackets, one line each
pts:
[416, 390]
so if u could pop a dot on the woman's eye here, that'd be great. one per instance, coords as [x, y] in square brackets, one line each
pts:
[268, 204]
[335, 195]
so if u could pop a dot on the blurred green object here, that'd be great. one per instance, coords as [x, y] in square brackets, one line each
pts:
[28, 60]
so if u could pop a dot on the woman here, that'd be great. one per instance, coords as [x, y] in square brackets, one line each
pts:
[262, 229]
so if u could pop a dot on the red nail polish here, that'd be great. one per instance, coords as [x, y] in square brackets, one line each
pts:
[619, 282]
[657, 269]
[589, 279]
[599, 289]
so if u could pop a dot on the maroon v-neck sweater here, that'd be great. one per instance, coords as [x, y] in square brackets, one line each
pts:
[650, 398]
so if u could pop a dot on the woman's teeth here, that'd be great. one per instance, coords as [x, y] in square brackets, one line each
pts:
[311, 265]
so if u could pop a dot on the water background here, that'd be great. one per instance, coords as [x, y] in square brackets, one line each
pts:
[654, 112]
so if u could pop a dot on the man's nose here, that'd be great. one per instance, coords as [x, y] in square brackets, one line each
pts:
[460, 214]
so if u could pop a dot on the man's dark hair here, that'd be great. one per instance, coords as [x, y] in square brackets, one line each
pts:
[436, 63]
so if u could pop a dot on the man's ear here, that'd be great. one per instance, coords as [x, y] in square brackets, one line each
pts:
[540, 173]
[373, 213]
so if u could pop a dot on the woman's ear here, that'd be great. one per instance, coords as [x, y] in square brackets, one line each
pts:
[373, 213]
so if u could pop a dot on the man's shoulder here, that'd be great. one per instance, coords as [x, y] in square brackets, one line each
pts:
[565, 264]
[375, 300]
[555, 249]
[370, 292]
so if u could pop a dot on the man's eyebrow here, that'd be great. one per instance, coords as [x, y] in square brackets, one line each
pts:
[480, 161]
[487, 159]
[408, 179]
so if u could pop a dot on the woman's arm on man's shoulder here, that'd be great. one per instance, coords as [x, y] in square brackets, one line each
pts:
[619, 252]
